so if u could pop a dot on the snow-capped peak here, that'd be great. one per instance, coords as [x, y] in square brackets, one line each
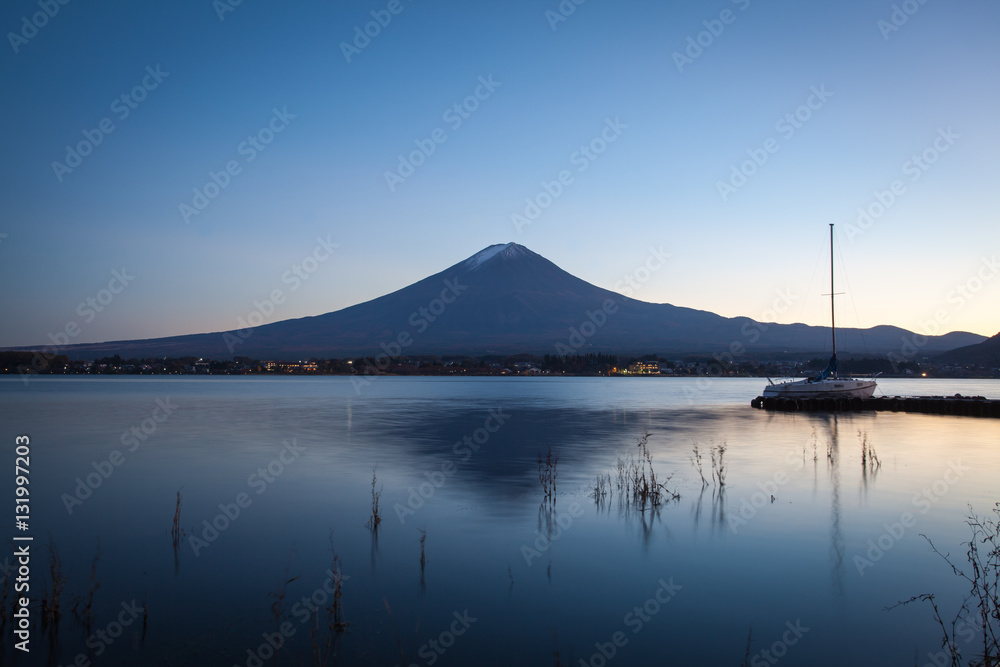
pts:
[504, 250]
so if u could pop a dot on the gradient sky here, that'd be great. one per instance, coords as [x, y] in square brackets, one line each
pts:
[892, 94]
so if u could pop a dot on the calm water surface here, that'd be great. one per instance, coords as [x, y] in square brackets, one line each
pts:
[509, 579]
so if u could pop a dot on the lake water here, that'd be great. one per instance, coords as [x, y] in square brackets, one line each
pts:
[509, 578]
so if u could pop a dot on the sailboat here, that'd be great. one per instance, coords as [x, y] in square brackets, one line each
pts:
[827, 384]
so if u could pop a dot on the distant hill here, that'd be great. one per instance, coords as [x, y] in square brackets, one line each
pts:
[507, 299]
[985, 354]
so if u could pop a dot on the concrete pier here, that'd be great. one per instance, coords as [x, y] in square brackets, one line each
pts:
[967, 406]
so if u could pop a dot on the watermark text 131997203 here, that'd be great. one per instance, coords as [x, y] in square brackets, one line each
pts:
[22, 551]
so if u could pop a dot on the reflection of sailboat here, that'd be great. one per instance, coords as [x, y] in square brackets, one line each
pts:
[827, 384]
[836, 532]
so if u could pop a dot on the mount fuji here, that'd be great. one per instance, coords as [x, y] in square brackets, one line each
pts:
[507, 299]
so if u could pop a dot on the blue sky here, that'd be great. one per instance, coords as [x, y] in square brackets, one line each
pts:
[869, 98]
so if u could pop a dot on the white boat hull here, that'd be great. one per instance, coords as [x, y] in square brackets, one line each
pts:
[826, 388]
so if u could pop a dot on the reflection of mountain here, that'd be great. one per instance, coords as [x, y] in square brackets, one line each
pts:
[586, 440]
[503, 463]
[507, 299]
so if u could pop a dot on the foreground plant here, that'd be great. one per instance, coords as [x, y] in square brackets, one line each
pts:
[869, 459]
[637, 482]
[602, 487]
[376, 517]
[323, 646]
[983, 601]
[718, 455]
[547, 474]
[696, 462]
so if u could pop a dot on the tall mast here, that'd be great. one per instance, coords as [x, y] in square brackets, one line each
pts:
[833, 323]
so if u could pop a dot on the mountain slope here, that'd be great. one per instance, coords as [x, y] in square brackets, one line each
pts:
[507, 299]
[985, 354]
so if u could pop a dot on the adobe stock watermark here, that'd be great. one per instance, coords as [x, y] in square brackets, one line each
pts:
[629, 284]
[30, 25]
[223, 7]
[915, 167]
[122, 107]
[635, 620]
[454, 116]
[420, 319]
[249, 149]
[100, 641]
[381, 18]
[130, 440]
[752, 331]
[562, 12]
[581, 158]
[259, 481]
[714, 28]
[964, 629]
[434, 649]
[958, 297]
[578, 336]
[923, 501]
[900, 14]
[542, 543]
[779, 648]
[88, 310]
[295, 276]
[786, 126]
[303, 611]
[632, 282]
[462, 451]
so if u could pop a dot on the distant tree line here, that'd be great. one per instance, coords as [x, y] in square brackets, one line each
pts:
[595, 363]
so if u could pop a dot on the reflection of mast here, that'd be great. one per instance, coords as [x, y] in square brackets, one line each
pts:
[836, 534]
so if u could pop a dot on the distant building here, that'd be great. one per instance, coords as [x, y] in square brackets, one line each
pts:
[645, 368]
[290, 366]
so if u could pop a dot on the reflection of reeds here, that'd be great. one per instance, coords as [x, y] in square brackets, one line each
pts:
[746, 655]
[983, 576]
[423, 554]
[175, 530]
[335, 623]
[399, 641]
[85, 616]
[5, 585]
[278, 606]
[51, 612]
[176, 533]
[547, 473]
[376, 517]
[339, 624]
